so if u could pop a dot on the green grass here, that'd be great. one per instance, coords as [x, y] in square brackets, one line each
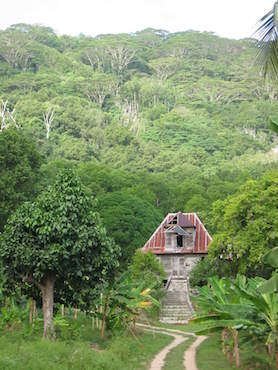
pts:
[253, 356]
[210, 355]
[24, 349]
[174, 359]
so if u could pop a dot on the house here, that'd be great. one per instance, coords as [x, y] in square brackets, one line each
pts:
[178, 242]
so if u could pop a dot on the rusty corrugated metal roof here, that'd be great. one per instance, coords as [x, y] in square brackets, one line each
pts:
[156, 243]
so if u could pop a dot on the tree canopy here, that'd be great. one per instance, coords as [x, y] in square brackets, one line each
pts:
[20, 161]
[245, 226]
[58, 243]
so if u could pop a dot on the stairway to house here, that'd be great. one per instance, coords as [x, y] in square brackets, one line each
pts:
[176, 307]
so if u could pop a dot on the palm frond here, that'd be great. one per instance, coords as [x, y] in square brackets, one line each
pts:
[267, 35]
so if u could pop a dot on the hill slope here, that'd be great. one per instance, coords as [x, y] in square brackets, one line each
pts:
[182, 118]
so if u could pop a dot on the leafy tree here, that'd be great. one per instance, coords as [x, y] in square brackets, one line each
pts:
[164, 67]
[58, 244]
[19, 165]
[206, 269]
[129, 220]
[245, 226]
[14, 49]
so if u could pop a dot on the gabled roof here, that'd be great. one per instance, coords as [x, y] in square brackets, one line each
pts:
[175, 222]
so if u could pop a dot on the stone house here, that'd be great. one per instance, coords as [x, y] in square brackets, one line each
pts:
[178, 242]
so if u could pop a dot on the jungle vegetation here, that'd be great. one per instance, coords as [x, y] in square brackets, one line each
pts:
[108, 134]
[151, 122]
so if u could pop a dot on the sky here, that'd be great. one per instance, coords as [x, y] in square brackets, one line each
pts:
[227, 18]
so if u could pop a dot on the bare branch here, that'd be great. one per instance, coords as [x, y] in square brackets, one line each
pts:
[7, 117]
[48, 118]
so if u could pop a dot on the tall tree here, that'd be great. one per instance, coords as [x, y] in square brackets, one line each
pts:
[58, 243]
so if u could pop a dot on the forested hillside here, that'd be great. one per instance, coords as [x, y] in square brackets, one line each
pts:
[152, 122]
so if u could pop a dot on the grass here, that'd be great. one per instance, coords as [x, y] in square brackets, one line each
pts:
[79, 347]
[253, 356]
[210, 355]
[24, 349]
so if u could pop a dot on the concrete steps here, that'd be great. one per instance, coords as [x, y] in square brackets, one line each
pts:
[175, 308]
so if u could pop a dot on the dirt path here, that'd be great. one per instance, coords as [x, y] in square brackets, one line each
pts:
[190, 354]
[179, 337]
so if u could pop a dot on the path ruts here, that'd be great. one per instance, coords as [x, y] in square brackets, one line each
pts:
[179, 337]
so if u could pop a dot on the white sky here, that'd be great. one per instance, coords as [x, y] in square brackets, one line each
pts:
[229, 18]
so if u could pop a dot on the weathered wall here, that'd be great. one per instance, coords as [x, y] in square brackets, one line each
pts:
[178, 265]
[189, 239]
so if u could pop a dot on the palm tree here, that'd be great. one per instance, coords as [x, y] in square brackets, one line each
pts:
[267, 34]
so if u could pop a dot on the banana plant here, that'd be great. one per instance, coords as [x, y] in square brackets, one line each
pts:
[221, 310]
[264, 317]
[240, 305]
[123, 301]
[271, 285]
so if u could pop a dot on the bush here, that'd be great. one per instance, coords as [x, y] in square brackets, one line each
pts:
[146, 268]
[207, 268]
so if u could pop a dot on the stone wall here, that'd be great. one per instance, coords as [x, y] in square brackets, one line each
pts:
[179, 265]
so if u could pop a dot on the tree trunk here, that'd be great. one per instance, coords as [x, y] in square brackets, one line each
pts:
[224, 337]
[47, 289]
[104, 308]
[103, 325]
[236, 349]
[276, 352]
[31, 311]
[35, 312]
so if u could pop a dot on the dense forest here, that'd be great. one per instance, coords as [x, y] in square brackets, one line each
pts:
[152, 122]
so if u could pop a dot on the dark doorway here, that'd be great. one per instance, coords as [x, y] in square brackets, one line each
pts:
[179, 241]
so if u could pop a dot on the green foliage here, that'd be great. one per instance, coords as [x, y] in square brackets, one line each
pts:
[239, 305]
[207, 268]
[11, 315]
[54, 234]
[117, 103]
[59, 239]
[245, 226]
[129, 220]
[19, 165]
[146, 268]
[22, 349]
[267, 34]
[152, 122]
[122, 301]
